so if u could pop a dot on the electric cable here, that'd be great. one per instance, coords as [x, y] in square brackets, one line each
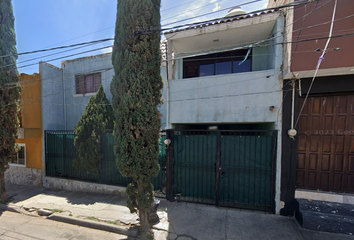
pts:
[319, 61]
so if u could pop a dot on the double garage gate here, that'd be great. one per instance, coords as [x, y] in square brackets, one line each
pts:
[225, 168]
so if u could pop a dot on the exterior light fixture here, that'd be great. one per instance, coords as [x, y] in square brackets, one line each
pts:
[167, 142]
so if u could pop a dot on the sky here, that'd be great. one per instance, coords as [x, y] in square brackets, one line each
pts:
[41, 24]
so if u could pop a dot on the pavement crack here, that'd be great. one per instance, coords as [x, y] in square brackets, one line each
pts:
[226, 215]
[185, 235]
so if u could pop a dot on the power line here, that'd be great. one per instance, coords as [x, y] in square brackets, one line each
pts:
[237, 48]
[110, 39]
[107, 29]
[164, 10]
[48, 55]
[268, 39]
[319, 60]
[297, 3]
[71, 55]
[193, 10]
[205, 14]
[61, 47]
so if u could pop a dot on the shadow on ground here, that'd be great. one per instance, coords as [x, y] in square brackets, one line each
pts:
[19, 193]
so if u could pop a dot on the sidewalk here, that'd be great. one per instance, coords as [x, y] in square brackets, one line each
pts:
[177, 220]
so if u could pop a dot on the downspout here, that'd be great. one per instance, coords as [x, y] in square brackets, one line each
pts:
[292, 132]
[168, 91]
[292, 103]
[64, 100]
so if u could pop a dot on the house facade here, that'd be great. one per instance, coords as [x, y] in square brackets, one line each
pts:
[226, 75]
[70, 87]
[27, 168]
[318, 157]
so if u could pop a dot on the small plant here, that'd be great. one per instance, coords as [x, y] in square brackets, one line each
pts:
[150, 236]
[70, 215]
[93, 219]
[56, 211]
[113, 222]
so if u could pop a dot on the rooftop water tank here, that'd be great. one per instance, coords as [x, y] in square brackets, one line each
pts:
[235, 11]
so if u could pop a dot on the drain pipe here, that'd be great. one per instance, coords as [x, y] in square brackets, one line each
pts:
[167, 89]
[292, 132]
[64, 96]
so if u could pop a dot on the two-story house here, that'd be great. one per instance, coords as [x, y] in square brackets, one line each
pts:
[318, 157]
[226, 75]
[27, 168]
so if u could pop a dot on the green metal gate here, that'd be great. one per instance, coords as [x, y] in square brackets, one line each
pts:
[225, 168]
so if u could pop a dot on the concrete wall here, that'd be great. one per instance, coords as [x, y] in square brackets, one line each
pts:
[32, 119]
[75, 104]
[24, 176]
[52, 97]
[163, 107]
[231, 98]
[79, 186]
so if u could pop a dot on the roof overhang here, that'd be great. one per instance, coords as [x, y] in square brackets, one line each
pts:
[222, 34]
[320, 73]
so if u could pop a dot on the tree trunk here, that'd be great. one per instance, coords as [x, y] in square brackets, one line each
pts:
[144, 229]
[144, 224]
[2, 187]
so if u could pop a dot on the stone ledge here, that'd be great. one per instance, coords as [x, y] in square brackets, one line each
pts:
[80, 186]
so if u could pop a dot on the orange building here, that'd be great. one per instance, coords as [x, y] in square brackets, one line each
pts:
[27, 168]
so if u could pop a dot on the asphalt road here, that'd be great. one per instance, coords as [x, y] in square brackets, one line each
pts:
[18, 226]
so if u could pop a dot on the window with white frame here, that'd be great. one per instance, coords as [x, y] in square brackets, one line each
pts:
[88, 83]
[20, 156]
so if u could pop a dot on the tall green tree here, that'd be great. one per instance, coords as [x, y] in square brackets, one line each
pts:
[97, 118]
[136, 89]
[9, 91]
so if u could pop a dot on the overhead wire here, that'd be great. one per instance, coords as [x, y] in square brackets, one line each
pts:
[111, 39]
[48, 55]
[313, 39]
[319, 61]
[246, 46]
[191, 10]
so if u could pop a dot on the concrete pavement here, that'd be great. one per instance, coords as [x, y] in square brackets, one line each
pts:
[19, 226]
[177, 220]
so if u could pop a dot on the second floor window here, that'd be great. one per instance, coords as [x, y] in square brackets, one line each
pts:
[88, 83]
[217, 64]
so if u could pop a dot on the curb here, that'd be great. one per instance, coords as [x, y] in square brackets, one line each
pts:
[4, 207]
[131, 232]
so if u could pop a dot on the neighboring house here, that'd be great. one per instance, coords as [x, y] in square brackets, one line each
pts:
[226, 74]
[26, 169]
[318, 163]
[70, 87]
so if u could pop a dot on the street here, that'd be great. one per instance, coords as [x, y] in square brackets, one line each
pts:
[19, 226]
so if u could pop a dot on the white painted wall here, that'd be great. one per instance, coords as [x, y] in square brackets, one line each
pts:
[231, 98]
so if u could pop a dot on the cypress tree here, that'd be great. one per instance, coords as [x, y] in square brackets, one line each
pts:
[9, 91]
[136, 89]
[97, 118]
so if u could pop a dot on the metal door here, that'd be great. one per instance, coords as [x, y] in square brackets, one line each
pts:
[225, 168]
